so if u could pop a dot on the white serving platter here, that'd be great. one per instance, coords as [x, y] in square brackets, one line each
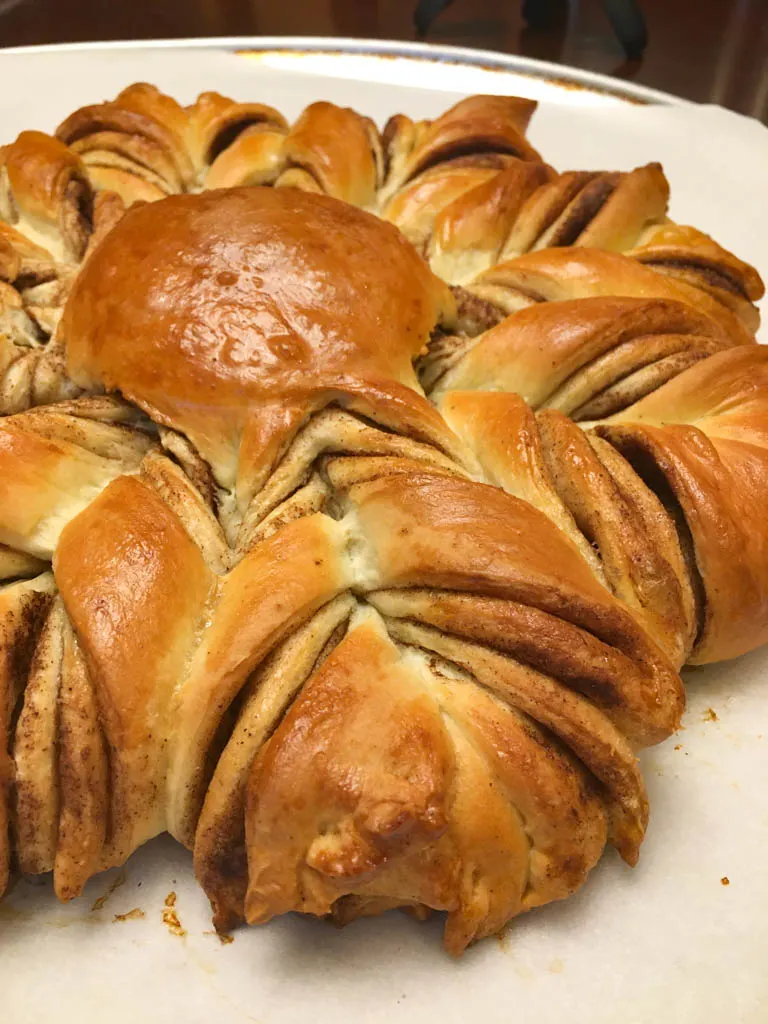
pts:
[665, 943]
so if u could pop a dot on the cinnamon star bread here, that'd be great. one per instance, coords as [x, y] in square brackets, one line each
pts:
[363, 493]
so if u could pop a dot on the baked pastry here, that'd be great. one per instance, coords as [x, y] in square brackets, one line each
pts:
[367, 586]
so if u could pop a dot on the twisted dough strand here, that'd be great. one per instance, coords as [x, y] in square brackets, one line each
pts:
[664, 521]
[34, 285]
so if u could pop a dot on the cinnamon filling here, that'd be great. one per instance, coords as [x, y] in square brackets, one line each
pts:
[583, 209]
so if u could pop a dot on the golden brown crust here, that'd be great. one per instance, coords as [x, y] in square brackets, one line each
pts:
[256, 157]
[474, 126]
[568, 354]
[55, 464]
[711, 453]
[475, 211]
[469, 233]
[670, 539]
[574, 721]
[83, 773]
[220, 854]
[35, 753]
[143, 126]
[336, 147]
[144, 146]
[214, 123]
[640, 553]
[437, 191]
[47, 194]
[606, 210]
[261, 297]
[135, 587]
[424, 818]
[361, 801]
[501, 430]
[275, 588]
[23, 607]
[289, 620]
[556, 274]
[22, 262]
[669, 245]
[471, 212]
[417, 528]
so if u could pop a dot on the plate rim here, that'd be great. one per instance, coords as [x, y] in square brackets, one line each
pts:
[491, 60]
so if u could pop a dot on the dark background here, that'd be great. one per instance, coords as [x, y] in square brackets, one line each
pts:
[708, 50]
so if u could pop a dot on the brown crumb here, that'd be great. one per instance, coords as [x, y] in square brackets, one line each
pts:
[725, 880]
[99, 903]
[225, 938]
[171, 918]
[132, 915]
[710, 715]
[678, 746]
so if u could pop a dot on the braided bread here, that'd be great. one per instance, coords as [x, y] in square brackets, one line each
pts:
[360, 553]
